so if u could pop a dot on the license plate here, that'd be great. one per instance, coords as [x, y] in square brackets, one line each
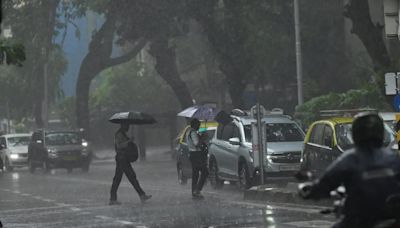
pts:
[289, 167]
[70, 158]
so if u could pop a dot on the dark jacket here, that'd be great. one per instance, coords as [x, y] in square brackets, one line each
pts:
[369, 178]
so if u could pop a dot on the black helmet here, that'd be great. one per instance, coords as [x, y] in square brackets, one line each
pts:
[368, 130]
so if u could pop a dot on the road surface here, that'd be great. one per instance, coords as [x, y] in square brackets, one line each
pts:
[80, 200]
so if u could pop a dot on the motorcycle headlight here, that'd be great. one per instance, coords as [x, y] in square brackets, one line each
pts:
[14, 156]
[85, 144]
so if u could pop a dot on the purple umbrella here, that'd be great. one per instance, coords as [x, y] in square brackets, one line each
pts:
[201, 112]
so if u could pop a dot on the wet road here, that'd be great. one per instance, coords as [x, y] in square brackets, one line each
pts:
[80, 200]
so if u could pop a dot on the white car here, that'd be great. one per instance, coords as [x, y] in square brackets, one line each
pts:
[389, 118]
[14, 150]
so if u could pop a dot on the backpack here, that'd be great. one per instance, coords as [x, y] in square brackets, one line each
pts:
[132, 152]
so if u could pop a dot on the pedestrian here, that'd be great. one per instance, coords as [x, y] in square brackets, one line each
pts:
[123, 165]
[198, 158]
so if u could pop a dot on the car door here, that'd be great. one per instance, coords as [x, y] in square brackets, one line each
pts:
[312, 147]
[233, 153]
[326, 151]
[228, 151]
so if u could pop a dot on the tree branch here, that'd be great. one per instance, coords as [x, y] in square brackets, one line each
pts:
[121, 59]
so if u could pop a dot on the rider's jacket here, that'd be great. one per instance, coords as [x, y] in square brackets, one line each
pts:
[369, 175]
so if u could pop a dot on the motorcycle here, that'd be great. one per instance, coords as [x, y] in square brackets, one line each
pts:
[339, 197]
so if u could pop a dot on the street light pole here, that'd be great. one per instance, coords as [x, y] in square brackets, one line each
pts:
[299, 65]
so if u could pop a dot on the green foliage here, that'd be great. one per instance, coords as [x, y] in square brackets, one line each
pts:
[31, 47]
[12, 54]
[132, 87]
[368, 97]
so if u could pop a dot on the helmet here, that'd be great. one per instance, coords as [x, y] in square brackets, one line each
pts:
[368, 130]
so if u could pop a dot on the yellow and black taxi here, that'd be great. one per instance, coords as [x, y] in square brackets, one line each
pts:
[328, 139]
[183, 164]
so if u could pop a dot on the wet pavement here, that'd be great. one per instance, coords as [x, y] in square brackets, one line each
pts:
[80, 200]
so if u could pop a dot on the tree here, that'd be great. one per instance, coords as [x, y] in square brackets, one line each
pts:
[128, 29]
[371, 35]
[251, 40]
[34, 25]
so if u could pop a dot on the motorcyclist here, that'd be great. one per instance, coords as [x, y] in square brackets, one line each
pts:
[369, 173]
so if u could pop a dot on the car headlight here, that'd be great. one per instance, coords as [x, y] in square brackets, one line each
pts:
[85, 144]
[14, 156]
[52, 152]
[269, 158]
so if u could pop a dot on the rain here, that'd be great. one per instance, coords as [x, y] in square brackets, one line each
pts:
[199, 113]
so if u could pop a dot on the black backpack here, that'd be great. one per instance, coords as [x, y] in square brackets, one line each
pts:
[131, 152]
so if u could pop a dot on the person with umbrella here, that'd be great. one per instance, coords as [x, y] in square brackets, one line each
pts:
[122, 143]
[198, 158]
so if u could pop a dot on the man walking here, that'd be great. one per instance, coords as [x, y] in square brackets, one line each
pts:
[121, 142]
[198, 158]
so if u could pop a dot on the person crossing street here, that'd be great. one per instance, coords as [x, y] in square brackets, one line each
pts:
[123, 165]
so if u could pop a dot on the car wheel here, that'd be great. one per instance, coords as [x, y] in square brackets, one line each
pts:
[181, 177]
[7, 166]
[244, 179]
[31, 167]
[215, 181]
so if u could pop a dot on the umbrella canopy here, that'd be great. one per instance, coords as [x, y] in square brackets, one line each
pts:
[201, 112]
[138, 118]
[223, 118]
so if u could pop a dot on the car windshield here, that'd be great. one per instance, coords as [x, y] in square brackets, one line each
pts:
[63, 138]
[18, 141]
[345, 139]
[278, 132]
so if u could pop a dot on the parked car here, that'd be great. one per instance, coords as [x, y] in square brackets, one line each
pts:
[14, 150]
[59, 149]
[183, 164]
[390, 119]
[231, 155]
[328, 139]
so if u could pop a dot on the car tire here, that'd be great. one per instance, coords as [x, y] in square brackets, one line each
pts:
[215, 181]
[31, 167]
[244, 178]
[181, 177]
[7, 166]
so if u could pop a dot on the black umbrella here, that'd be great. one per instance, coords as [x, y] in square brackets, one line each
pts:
[137, 118]
[223, 118]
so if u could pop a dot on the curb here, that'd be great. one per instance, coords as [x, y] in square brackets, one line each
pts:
[268, 194]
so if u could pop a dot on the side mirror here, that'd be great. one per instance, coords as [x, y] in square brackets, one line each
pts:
[2, 146]
[234, 141]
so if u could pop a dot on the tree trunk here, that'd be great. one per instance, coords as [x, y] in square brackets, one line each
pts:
[167, 69]
[371, 35]
[38, 70]
[373, 39]
[89, 69]
[97, 60]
